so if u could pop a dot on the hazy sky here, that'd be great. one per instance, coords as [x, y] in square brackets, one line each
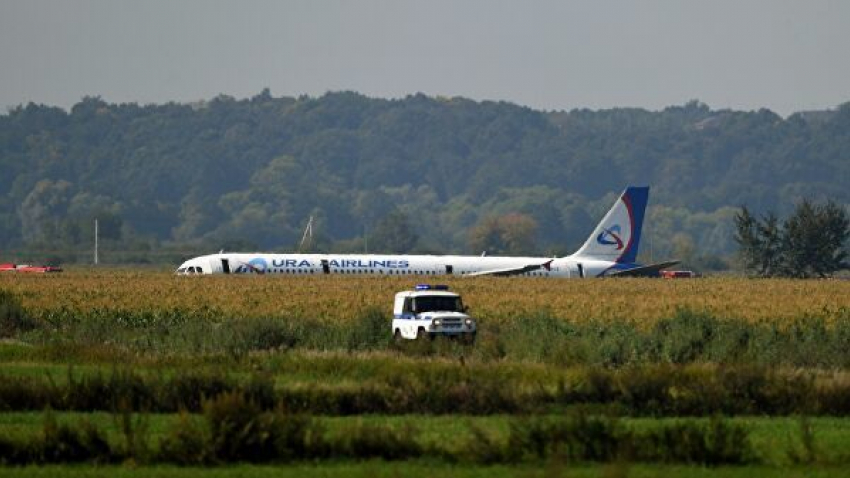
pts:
[783, 55]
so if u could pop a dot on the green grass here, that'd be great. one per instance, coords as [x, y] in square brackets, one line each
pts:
[772, 438]
[424, 468]
[339, 383]
[27, 423]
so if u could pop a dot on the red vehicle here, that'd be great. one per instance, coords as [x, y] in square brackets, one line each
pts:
[39, 269]
[8, 267]
[678, 274]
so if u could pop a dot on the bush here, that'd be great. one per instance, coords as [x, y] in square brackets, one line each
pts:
[25, 393]
[371, 330]
[684, 338]
[14, 452]
[59, 443]
[188, 391]
[716, 443]
[249, 335]
[63, 444]
[366, 441]
[185, 444]
[576, 438]
[119, 390]
[238, 429]
[232, 429]
[483, 448]
[442, 388]
[13, 318]
[601, 439]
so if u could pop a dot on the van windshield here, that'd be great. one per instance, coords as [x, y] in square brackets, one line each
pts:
[437, 303]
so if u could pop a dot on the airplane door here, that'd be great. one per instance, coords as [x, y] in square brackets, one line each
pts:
[449, 270]
[225, 266]
[580, 270]
[326, 268]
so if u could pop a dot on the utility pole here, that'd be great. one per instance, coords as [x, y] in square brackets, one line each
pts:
[308, 232]
[95, 241]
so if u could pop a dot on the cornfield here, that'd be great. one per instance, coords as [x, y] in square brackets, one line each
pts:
[336, 299]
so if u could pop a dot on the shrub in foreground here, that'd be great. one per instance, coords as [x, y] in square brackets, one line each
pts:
[661, 390]
[717, 442]
[13, 317]
[233, 430]
[579, 438]
[59, 443]
[576, 438]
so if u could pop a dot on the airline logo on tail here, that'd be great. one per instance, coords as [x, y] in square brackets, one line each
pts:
[616, 238]
[610, 236]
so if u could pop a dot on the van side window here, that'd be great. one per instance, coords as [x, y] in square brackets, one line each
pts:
[408, 306]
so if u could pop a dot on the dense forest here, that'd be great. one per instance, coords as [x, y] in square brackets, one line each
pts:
[419, 174]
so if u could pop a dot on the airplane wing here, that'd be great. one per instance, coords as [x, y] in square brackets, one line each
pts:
[510, 271]
[651, 270]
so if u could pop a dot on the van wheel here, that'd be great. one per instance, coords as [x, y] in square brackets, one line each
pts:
[468, 339]
[397, 338]
[421, 335]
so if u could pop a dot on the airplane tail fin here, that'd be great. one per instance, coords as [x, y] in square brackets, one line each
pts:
[617, 237]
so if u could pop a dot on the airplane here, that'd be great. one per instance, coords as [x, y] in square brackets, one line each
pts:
[611, 250]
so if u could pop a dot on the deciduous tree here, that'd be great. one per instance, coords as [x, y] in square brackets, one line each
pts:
[511, 234]
[810, 243]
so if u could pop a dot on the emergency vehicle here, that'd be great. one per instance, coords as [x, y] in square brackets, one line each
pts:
[431, 311]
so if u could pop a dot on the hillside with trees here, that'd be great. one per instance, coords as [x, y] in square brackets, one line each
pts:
[419, 174]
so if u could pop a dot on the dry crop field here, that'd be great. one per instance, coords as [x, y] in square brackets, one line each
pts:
[340, 299]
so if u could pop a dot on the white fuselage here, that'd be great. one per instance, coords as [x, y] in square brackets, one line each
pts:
[386, 265]
[611, 247]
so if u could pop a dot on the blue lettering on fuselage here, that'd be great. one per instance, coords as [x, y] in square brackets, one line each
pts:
[291, 263]
[338, 263]
[360, 263]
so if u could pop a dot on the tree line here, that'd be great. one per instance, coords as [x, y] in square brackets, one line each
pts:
[418, 174]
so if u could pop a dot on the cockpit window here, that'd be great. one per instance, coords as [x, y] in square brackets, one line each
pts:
[200, 270]
[181, 270]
